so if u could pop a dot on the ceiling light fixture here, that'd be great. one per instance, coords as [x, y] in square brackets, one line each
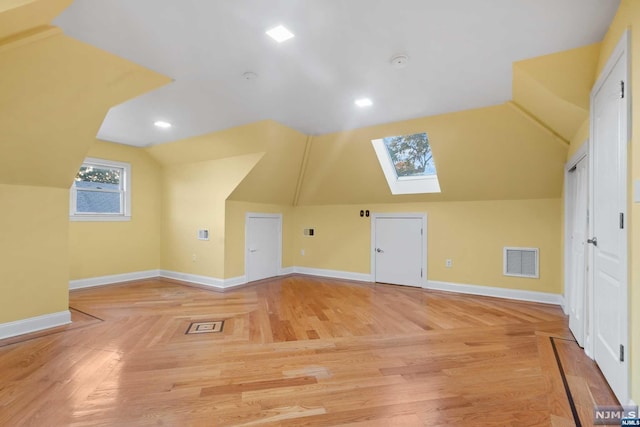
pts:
[364, 102]
[399, 61]
[249, 75]
[162, 124]
[280, 34]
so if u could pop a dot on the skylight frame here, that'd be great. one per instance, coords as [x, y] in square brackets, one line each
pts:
[416, 184]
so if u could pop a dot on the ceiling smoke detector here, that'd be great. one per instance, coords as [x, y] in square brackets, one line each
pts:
[399, 61]
[249, 75]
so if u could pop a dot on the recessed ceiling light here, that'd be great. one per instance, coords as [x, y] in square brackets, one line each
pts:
[162, 124]
[280, 34]
[364, 102]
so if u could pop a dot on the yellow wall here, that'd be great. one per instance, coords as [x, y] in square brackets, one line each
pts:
[105, 248]
[472, 234]
[55, 92]
[17, 16]
[555, 88]
[492, 153]
[234, 234]
[272, 181]
[628, 17]
[194, 196]
[206, 181]
[33, 251]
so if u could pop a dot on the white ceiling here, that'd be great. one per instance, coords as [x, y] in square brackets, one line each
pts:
[461, 52]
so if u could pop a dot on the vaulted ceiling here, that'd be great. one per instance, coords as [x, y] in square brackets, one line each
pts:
[460, 57]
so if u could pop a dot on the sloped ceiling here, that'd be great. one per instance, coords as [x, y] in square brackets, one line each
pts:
[272, 180]
[17, 16]
[493, 153]
[55, 94]
[460, 57]
[555, 88]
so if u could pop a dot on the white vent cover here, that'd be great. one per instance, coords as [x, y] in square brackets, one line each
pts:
[521, 262]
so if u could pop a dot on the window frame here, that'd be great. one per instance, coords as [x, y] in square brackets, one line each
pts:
[403, 184]
[125, 193]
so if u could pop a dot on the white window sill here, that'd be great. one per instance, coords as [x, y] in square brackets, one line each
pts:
[99, 218]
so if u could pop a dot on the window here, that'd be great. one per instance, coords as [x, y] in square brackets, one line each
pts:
[101, 191]
[408, 164]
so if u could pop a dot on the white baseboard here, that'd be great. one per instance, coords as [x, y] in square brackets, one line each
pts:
[564, 305]
[225, 284]
[234, 282]
[334, 274]
[114, 278]
[287, 270]
[488, 291]
[212, 282]
[34, 324]
[193, 278]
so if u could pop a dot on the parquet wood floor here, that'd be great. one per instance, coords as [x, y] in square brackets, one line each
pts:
[298, 351]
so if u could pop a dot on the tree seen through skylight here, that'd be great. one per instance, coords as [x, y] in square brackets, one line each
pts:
[411, 155]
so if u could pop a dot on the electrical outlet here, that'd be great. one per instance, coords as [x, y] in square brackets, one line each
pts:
[448, 263]
[194, 257]
[302, 252]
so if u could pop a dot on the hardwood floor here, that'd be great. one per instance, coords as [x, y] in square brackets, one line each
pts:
[299, 351]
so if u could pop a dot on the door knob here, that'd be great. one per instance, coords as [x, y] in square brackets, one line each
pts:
[593, 241]
[379, 250]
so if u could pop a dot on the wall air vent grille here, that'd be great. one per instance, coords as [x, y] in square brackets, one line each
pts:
[521, 262]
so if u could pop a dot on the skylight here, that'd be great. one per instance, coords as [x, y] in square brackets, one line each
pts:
[408, 164]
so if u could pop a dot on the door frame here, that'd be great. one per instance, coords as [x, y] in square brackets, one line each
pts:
[621, 50]
[247, 217]
[581, 154]
[400, 215]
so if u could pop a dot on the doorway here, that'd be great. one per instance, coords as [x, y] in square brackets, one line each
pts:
[576, 223]
[399, 249]
[263, 245]
[608, 219]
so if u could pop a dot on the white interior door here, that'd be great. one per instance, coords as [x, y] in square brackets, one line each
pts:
[399, 249]
[577, 192]
[608, 181]
[263, 243]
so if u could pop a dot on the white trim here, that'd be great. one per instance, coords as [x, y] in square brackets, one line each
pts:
[212, 282]
[98, 218]
[34, 324]
[334, 274]
[233, 282]
[489, 291]
[249, 215]
[580, 154]
[287, 270]
[225, 284]
[125, 191]
[114, 278]
[620, 53]
[413, 215]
